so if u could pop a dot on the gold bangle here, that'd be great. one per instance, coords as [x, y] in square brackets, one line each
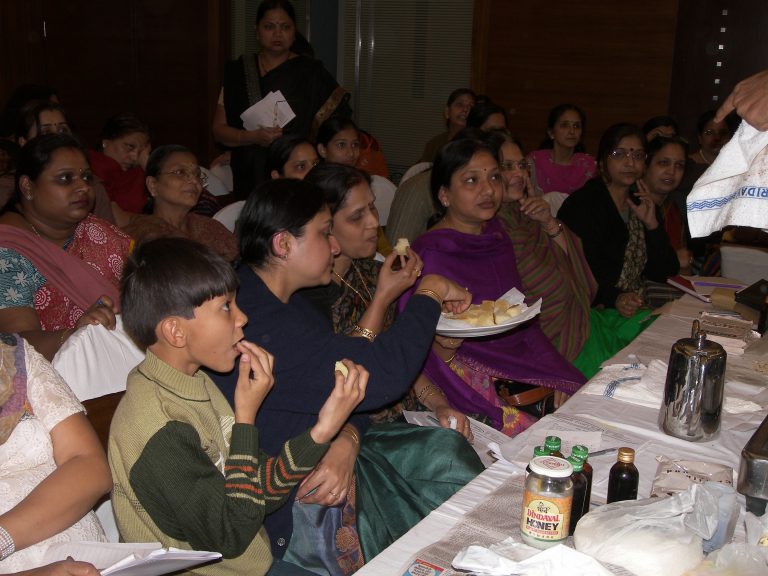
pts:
[427, 391]
[369, 335]
[352, 433]
[432, 294]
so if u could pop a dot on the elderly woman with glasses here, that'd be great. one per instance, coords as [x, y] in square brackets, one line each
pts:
[619, 226]
[174, 182]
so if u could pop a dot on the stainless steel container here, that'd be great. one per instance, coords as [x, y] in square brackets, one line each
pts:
[753, 473]
[693, 393]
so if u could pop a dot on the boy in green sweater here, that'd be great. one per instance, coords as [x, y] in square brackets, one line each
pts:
[187, 471]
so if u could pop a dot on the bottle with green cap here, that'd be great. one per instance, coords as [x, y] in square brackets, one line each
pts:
[579, 479]
[582, 452]
[553, 444]
[537, 451]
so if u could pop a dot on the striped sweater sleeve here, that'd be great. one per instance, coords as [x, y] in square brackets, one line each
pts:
[184, 492]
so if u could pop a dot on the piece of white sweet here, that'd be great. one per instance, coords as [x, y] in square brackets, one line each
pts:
[401, 247]
[340, 367]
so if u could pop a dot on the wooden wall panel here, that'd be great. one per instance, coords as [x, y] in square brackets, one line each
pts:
[718, 43]
[613, 59]
[162, 59]
[21, 44]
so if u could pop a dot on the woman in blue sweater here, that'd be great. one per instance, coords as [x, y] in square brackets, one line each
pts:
[286, 245]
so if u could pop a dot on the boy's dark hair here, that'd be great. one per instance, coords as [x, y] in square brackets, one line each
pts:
[170, 277]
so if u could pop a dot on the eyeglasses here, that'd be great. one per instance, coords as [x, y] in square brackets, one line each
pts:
[511, 165]
[188, 175]
[622, 153]
[713, 132]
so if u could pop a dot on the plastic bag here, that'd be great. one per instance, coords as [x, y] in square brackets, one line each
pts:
[650, 537]
[742, 559]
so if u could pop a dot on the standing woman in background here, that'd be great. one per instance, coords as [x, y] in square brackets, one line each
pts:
[561, 164]
[310, 90]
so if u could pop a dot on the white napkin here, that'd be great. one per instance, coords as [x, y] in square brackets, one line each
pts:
[636, 384]
[624, 382]
[734, 189]
[556, 560]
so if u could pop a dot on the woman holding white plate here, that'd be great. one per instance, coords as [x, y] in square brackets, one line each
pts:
[469, 245]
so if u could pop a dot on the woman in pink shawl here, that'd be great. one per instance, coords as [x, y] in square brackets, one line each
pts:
[60, 266]
[469, 245]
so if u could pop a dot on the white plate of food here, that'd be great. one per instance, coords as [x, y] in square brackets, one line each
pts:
[489, 318]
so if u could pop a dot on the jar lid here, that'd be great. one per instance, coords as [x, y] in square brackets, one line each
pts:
[551, 466]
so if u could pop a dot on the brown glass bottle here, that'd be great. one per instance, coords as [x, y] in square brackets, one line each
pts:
[582, 452]
[623, 478]
[579, 507]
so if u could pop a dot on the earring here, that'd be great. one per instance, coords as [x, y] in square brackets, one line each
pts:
[28, 196]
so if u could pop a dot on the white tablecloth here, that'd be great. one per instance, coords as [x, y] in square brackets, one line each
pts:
[635, 421]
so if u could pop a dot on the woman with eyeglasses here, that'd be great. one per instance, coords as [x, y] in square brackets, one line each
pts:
[618, 223]
[561, 163]
[549, 256]
[174, 182]
[60, 266]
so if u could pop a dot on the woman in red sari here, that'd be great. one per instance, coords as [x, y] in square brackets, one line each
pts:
[60, 266]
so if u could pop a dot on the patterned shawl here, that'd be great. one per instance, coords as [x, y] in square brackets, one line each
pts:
[76, 278]
[635, 257]
[561, 279]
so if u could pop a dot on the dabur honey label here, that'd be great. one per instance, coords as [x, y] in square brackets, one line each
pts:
[546, 520]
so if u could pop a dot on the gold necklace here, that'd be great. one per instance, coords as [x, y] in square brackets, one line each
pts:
[355, 290]
[701, 153]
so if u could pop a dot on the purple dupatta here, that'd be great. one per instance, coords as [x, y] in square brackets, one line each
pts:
[486, 264]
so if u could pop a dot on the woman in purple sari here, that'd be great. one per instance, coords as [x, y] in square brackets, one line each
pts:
[469, 245]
